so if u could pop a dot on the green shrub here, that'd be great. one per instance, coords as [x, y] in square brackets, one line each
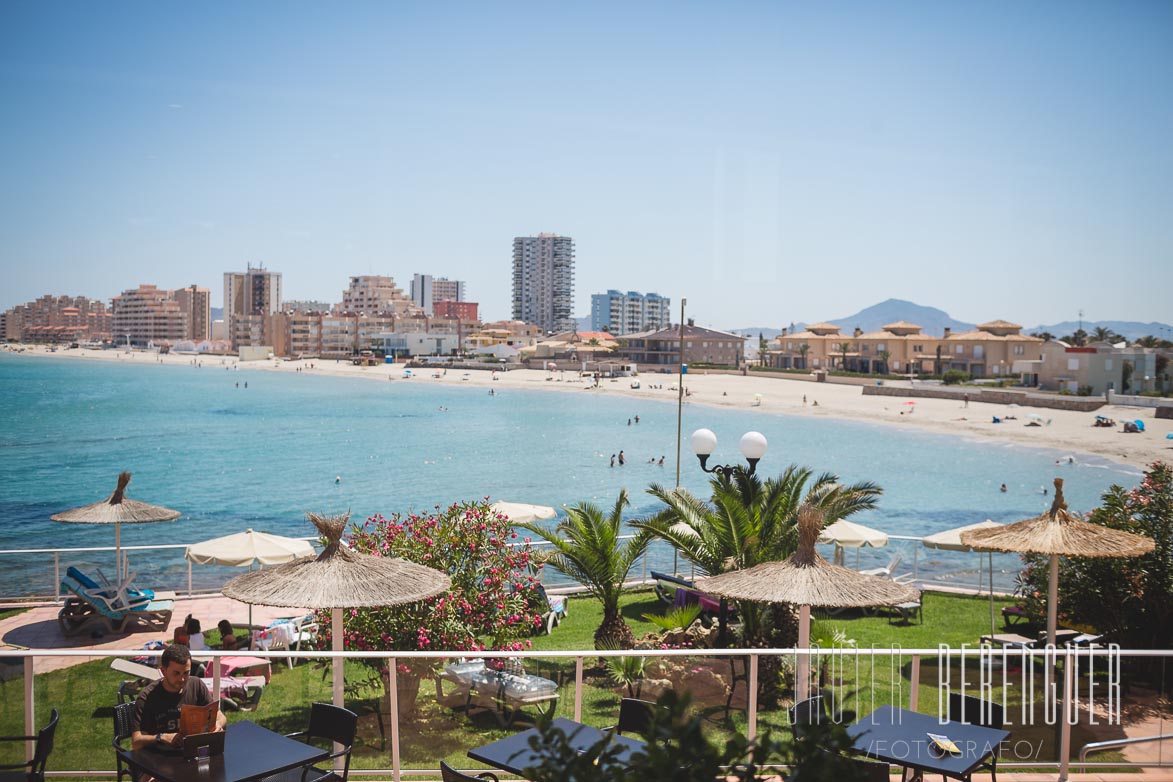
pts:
[1084, 391]
[954, 376]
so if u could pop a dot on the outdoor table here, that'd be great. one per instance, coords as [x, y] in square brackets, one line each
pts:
[503, 692]
[900, 737]
[514, 754]
[250, 752]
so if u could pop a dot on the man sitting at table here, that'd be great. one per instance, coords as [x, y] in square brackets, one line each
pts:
[155, 722]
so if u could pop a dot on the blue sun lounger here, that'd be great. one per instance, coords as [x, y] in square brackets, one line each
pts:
[88, 606]
[133, 596]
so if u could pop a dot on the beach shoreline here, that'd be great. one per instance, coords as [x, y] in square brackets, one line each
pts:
[1069, 432]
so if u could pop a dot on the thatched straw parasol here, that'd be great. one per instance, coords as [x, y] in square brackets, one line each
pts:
[118, 510]
[805, 580]
[1058, 533]
[338, 578]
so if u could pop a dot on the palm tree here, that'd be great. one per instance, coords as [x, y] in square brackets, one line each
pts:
[884, 356]
[803, 349]
[748, 522]
[1045, 336]
[587, 549]
[843, 347]
[1102, 334]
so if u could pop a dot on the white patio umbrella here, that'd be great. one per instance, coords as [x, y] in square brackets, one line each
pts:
[521, 512]
[848, 534]
[950, 540]
[244, 549]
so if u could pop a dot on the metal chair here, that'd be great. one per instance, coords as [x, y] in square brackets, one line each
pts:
[32, 770]
[449, 774]
[635, 716]
[976, 711]
[327, 723]
[812, 711]
[123, 713]
[738, 672]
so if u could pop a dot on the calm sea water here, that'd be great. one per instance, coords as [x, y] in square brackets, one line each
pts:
[231, 457]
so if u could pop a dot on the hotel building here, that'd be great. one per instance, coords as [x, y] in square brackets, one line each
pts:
[249, 298]
[543, 281]
[146, 316]
[372, 295]
[196, 304]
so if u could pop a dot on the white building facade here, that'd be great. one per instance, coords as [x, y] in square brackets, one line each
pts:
[543, 281]
[629, 313]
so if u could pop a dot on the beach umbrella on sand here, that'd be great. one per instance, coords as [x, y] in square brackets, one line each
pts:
[521, 513]
[244, 549]
[118, 510]
[848, 534]
[950, 540]
[338, 578]
[1058, 533]
[806, 580]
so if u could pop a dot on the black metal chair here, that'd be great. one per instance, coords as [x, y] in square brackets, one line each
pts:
[635, 716]
[825, 764]
[812, 711]
[327, 723]
[449, 774]
[122, 715]
[976, 711]
[32, 770]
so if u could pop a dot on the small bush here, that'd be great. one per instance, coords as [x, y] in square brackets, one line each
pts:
[1084, 391]
[954, 376]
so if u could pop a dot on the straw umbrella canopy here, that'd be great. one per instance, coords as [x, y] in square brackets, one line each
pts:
[1058, 533]
[806, 579]
[118, 510]
[338, 578]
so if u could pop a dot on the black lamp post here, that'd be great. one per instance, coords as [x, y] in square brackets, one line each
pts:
[753, 448]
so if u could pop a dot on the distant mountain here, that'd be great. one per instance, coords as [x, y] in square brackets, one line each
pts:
[932, 321]
[1129, 329]
[753, 331]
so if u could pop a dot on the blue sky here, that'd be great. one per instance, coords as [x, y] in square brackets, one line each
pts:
[773, 162]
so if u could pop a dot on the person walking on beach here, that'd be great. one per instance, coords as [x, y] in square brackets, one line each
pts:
[622, 461]
[965, 399]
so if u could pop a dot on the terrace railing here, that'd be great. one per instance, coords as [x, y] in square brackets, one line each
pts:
[1050, 695]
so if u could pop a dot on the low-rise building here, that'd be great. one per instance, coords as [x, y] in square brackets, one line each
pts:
[58, 319]
[661, 348]
[461, 310]
[1097, 368]
[988, 350]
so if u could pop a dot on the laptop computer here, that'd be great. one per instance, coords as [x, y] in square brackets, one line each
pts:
[203, 745]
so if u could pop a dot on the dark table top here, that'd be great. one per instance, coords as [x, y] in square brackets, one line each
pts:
[250, 752]
[513, 753]
[900, 736]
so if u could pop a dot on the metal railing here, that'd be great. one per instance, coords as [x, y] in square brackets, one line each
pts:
[840, 662]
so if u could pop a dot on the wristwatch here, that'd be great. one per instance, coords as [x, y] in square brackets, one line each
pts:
[159, 738]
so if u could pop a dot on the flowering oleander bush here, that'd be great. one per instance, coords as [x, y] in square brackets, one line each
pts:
[493, 603]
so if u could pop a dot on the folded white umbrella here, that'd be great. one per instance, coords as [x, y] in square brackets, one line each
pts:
[521, 512]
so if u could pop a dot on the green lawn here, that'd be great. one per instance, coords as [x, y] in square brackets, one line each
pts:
[86, 693]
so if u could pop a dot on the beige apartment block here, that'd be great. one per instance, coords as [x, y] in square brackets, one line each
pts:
[661, 348]
[196, 303]
[376, 295]
[146, 316]
[60, 319]
[1096, 368]
[990, 350]
[342, 335]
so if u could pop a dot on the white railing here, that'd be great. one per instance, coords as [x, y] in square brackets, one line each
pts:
[983, 666]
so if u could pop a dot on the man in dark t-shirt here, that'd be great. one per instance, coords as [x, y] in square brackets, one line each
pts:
[155, 722]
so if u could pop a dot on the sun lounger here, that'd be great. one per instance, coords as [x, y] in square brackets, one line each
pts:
[666, 586]
[118, 596]
[557, 609]
[242, 692]
[503, 692]
[85, 608]
[287, 634]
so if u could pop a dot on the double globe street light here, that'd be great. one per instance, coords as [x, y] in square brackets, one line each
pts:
[753, 447]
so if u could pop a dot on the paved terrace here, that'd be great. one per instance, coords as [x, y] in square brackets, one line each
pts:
[38, 629]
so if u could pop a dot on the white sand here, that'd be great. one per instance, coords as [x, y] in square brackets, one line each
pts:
[1069, 432]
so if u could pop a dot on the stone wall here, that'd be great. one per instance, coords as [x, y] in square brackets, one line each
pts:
[997, 396]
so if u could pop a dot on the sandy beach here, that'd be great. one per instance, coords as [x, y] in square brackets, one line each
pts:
[1066, 431]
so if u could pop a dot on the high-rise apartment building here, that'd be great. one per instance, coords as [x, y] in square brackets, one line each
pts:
[196, 304]
[249, 298]
[426, 290]
[374, 294]
[629, 313]
[147, 315]
[543, 281]
[57, 319]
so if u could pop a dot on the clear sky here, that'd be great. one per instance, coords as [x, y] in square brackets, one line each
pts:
[773, 162]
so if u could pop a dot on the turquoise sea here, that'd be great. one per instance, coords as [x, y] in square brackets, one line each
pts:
[231, 457]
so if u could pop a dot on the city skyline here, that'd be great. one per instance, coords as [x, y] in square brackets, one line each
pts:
[770, 164]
